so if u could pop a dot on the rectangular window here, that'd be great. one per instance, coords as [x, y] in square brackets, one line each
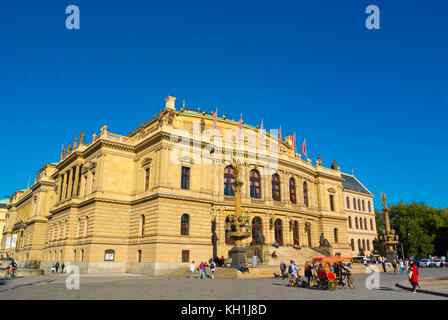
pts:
[185, 255]
[93, 182]
[332, 202]
[185, 183]
[139, 256]
[147, 179]
[109, 255]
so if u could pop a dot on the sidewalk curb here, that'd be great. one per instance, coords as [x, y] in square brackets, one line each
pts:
[423, 291]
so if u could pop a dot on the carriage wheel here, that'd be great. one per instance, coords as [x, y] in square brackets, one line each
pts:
[351, 282]
[333, 284]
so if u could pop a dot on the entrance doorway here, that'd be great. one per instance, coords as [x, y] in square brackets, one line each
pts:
[257, 230]
[278, 230]
[295, 232]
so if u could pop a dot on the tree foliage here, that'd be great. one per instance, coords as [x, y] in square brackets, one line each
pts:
[416, 225]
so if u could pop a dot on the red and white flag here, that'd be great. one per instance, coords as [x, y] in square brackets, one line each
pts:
[215, 116]
[240, 125]
[304, 147]
[293, 142]
[280, 135]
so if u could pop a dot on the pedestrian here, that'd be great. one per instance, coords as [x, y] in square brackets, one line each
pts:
[204, 270]
[401, 266]
[308, 273]
[212, 269]
[53, 268]
[222, 261]
[192, 267]
[383, 263]
[394, 265]
[283, 270]
[413, 276]
[201, 272]
[62, 267]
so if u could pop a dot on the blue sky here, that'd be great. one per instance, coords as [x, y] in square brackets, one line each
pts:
[374, 100]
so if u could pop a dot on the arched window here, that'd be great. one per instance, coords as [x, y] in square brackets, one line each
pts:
[359, 245]
[305, 194]
[350, 222]
[363, 206]
[255, 184]
[185, 225]
[292, 190]
[368, 205]
[228, 227]
[368, 245]
[360, 223]
[229, 179]
[352, 243]
[348, 202]
[356, 223]
[142, 225]
[359, 205]
[371, 224]
[365, 223]
[364, 245]
[336, 235]
[354, 204]
[276, 187]
[331, 202]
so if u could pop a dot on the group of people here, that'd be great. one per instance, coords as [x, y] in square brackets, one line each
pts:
[202, 269]
[243, 267]
[55, 267]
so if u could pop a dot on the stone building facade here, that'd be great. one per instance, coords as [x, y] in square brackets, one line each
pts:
[162, 196]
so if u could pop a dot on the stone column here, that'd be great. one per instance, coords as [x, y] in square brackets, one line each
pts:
[64, 186]
[59, 189]
[75, 187]
[70, 183]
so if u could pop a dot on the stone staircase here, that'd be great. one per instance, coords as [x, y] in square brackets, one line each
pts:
[285, 254]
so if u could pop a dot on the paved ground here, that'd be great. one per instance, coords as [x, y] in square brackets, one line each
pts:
[436, 284]
[128, 286]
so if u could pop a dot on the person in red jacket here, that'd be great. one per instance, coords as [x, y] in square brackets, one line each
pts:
[413, 276]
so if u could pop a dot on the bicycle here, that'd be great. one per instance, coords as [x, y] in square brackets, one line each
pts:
[10, 273]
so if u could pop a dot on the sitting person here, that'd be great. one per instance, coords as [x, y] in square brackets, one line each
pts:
[245, 267]
[297, 246]
[275, 244]
[274, 254]
[240, 267]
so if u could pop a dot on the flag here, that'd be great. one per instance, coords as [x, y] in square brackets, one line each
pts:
[260, 132]
[215, 115]
[293, 142]
[304, 147]
[280, 135]
[240, 125]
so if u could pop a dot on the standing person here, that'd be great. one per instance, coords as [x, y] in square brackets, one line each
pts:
[308, 273]
[56, 266]
[192, 267]
[283, 270]
[401, 266]
[222, 261]
[212, 268]
[204, 270]
[394, 265]
[413, 276]
[383, 263]
[293, 271]
[62, 267]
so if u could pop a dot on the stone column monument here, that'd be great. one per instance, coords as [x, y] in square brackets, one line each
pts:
[240, 224]
[388, 236]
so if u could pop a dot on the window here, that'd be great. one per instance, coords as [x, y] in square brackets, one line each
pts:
[363, 206]
[185, 225]
[66, 187]
[74, 255]
[305, 194]
[139, 256]
[348, 202]
[356, 222]
[332, 202]
[85, 184]
[359, 245]
[185, 183]
[350, 222]
[142, 225]
[229, 179]
[354, 204]
[371, 224]
[109, 255]
[364, 245]
[336, 235]
[185, 255]
[276, 187]
[368, 245]
[360, 223]
[82, 255]
[93, 182]
[368, 205]
[255, 184]
[147, 179]
[359, 205]
[352, 243]
[292, 190]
